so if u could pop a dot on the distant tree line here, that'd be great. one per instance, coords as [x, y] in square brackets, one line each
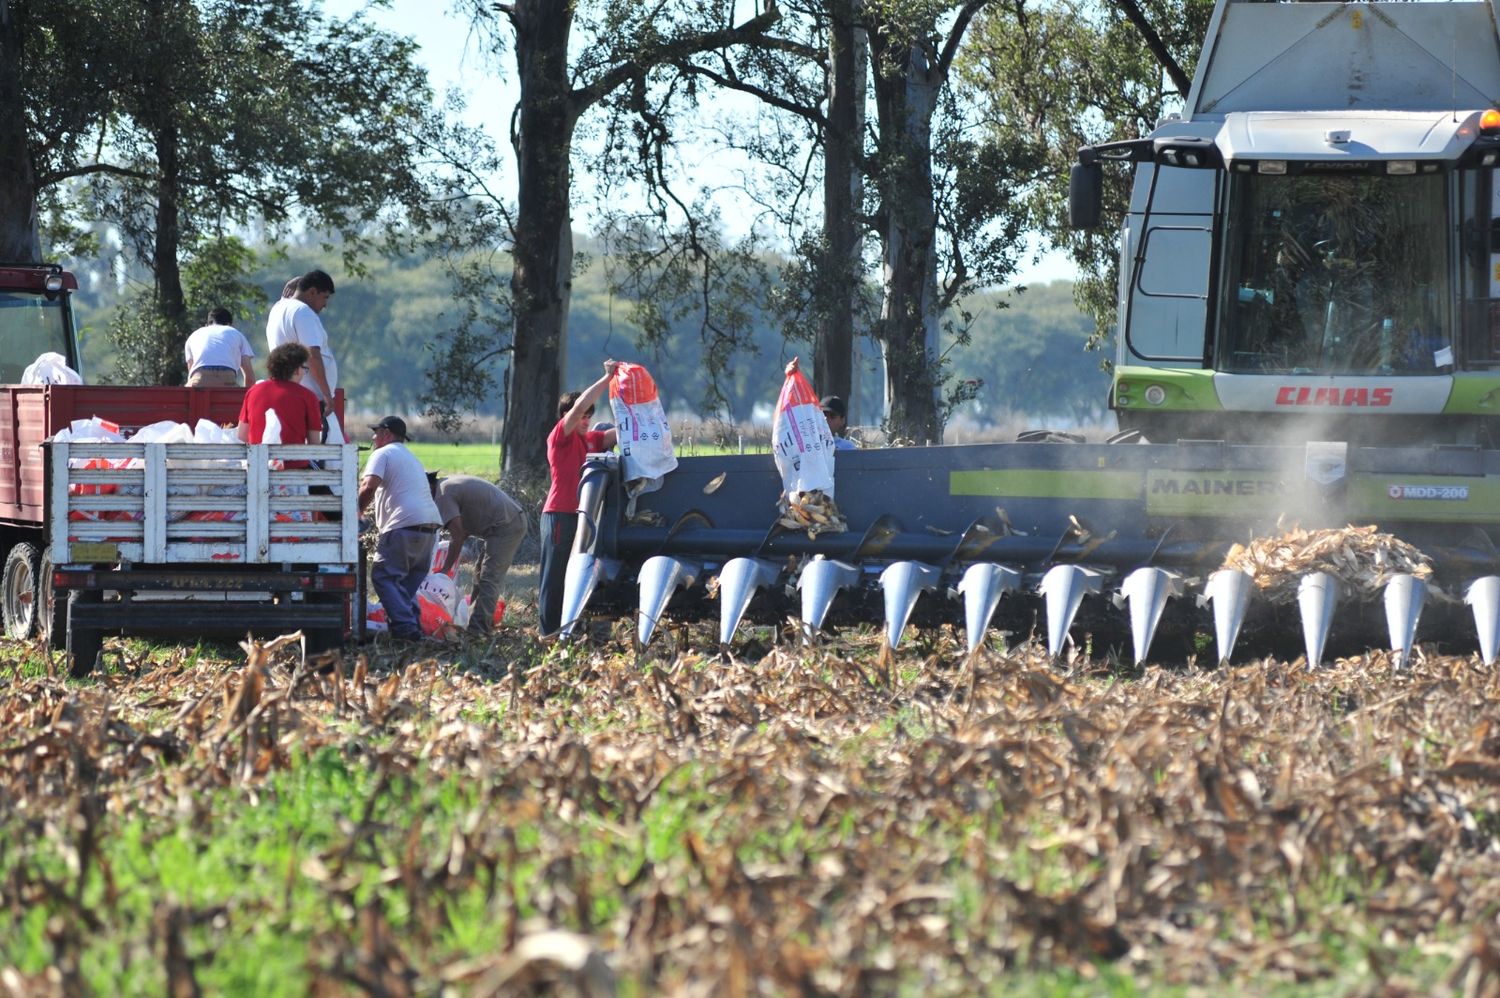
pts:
[392, 321]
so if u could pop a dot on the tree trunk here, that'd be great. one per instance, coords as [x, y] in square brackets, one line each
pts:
[833, 348]
[18, 211]
[906, 90]
[542, 255]
[171, 369]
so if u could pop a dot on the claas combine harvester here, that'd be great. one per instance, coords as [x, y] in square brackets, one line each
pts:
[1308, 337]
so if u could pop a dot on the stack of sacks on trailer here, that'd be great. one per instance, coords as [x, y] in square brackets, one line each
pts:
[96, 430]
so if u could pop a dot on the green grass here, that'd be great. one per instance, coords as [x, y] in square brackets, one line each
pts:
[483, 460]
[480, 460]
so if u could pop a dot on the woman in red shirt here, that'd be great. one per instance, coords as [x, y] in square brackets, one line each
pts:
[295, 405]
[569, 443]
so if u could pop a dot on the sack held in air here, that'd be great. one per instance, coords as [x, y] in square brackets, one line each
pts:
[645, 439]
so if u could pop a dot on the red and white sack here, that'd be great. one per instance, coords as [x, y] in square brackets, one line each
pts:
[803, 441]
[645, 439]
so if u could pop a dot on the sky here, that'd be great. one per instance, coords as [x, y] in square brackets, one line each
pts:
[454, 61]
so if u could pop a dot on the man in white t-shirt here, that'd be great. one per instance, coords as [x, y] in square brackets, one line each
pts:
[217, 354]
[407, 519]
[296, 320]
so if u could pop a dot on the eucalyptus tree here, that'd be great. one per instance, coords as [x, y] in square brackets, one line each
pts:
[233, 112]
[18, 223]
[941, 205]
[1061, 74]
[621, 43]
[52, 94]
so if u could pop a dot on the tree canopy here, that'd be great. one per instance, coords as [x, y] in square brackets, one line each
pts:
[896, 157]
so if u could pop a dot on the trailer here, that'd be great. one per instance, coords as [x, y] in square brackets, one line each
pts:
[163, 539]
[191, 539]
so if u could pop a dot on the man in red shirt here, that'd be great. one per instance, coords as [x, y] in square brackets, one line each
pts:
[567, 445]
[296, 407]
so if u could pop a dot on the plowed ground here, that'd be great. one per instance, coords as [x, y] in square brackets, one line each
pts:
[832, 820]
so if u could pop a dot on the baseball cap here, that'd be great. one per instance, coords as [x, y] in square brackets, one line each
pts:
[835, 405]
[395, 424]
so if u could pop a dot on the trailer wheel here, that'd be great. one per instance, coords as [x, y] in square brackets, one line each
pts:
[52, 619]
[324, 639]
[19, 597]
[84, 643]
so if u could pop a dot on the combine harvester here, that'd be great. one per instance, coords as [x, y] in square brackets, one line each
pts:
[1309, 334]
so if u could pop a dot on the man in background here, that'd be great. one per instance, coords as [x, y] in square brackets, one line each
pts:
[837, 415]
[407, 520]
[472, 507]
[217, 354]
[298, 320]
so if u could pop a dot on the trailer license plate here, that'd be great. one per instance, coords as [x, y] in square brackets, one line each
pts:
[95, 551]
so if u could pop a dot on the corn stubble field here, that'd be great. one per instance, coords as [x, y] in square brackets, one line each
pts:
[479, 820]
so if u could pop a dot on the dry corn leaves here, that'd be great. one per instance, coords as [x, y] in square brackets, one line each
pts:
[1362, 558]
[832, 829]
[814, 512]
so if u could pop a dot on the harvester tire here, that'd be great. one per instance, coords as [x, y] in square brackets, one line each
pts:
[19, 596]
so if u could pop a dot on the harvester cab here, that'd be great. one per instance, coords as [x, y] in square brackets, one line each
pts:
[1312, 247]
[36, 317]
[1309, 360]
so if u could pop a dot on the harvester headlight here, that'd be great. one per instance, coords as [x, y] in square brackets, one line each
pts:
[1488, 159]
[53, 283]
[1401, 167]
[1489, 122]
[1156, 394]
[1277, 166]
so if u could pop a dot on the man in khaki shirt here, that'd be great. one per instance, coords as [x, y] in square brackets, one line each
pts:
[472, 507]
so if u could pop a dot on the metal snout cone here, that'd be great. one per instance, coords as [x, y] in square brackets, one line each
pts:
[1147, 591]
[903, 582]
[739, 580]
[1484, 596]
[579, 581]
[1317, 596]
[820, 581]
[982, 586]
[659, 579]
[1404, 596]
[1064, 587]
[1229, 591]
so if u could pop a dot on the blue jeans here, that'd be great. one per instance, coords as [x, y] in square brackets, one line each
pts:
[403, 558]
[557, 545]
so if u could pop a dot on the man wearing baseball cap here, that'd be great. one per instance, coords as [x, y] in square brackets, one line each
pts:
[407, 519]
[837, 415]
